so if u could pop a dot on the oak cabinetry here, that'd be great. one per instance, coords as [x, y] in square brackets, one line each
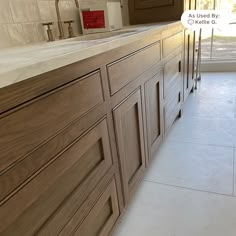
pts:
[146, 11]
[130, 141]
[188, 62]
[154, 111]
[74, 150]
[79, 168]
[18, 137]
[173, 91]
[126, 69]
[173, 78]
[189, 53]
[171, 43]
[100, 220]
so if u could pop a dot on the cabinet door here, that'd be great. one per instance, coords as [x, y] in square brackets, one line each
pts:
[154, 111]
[189, 63]
[147, 11]
[130, 141]
[191, 58]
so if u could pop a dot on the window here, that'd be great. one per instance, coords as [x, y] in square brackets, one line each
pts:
[219, 44]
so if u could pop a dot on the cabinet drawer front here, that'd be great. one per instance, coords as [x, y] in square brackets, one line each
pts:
[172, 108]
[72, 175]
[172, 102]
[27, 168]
[123, 71]
[130, 141]
[26, 129]
[171, 74]
[171, 43]
[171, 118]
[100, 219]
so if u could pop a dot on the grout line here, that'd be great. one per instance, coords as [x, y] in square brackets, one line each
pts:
[192, 189]
[233, 169]
[210, 117]
[204, 144]
[188, 117]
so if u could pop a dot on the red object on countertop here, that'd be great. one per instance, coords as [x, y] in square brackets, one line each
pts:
[93, 19]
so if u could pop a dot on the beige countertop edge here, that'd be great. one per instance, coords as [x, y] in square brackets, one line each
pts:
[35, 68]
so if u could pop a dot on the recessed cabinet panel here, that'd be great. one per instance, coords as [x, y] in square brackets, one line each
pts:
[171, 75]
[154, 103]
[125, 70]
[130, 141]
[14, 178]
[61, 188]
[173, 90]
[103, 216]
[171, 111]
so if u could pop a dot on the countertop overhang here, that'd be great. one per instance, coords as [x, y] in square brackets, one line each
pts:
[21, 63]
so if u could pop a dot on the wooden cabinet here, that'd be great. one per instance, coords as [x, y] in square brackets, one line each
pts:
[126, 69]
[130, 141]
[171, 43]
[59, 189]
[37, 121]
[100, 220]
[146, 11]
[189, 54]
[154, 112]
[173, 94]
[73, 150]
[188, 62]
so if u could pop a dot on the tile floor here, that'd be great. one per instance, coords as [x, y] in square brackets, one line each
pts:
[190, 187]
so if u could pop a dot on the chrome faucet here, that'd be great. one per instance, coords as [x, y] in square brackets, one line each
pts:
[59, 21]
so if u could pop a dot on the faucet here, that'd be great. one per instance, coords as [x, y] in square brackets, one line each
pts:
[59, 21]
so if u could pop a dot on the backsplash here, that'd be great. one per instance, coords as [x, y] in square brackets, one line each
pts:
[21, 20]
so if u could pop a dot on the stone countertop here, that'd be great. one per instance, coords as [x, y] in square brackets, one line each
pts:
[21, 63]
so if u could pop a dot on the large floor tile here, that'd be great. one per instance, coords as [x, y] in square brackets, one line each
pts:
[159, 210]
[220, 93]
[217, 85]
[204, 130]
[194, 166]
[212, 107]
[220, 79]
